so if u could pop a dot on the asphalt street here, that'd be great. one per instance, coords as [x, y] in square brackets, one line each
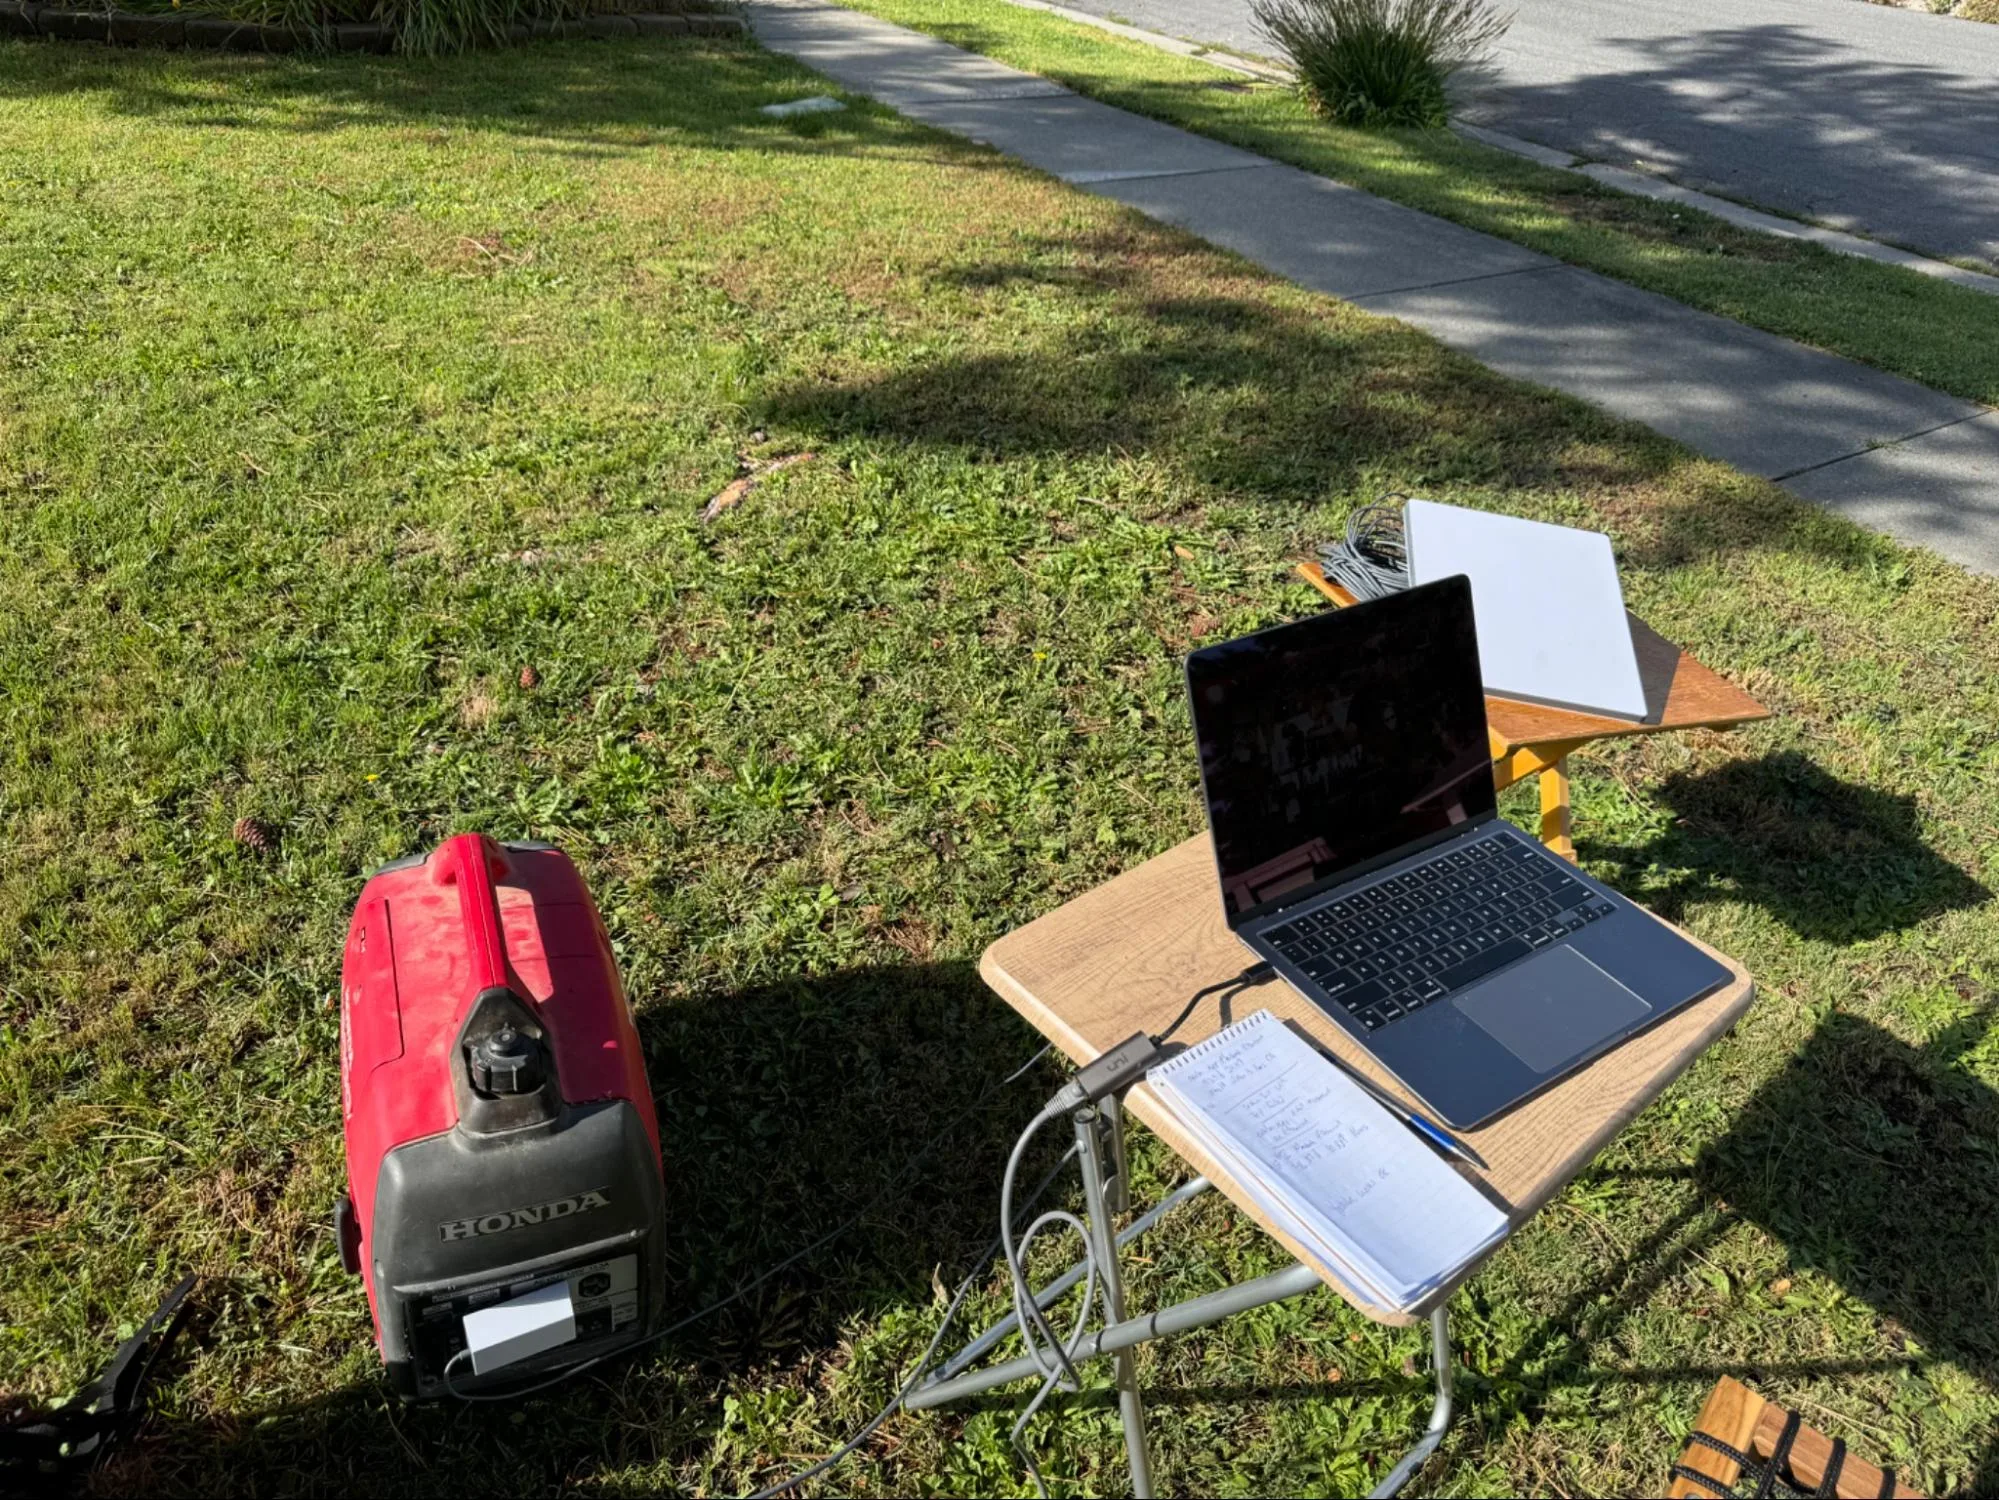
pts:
[1880, 121]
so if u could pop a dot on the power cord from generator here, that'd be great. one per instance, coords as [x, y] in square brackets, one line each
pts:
[514, 1393]
[1106, 1076]
[1112, 1073]
[1373, 558]
[924, 1361]
[1006, 1243]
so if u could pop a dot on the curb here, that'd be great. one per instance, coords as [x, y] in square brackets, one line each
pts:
[1250, 67]
[218, 33]
[1640, 184]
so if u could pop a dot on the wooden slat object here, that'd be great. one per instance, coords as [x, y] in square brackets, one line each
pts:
[1126, 956]
[1745, 1421]
[1730, 1416]
[1689, 696]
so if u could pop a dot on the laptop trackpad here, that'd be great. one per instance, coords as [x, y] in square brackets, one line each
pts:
[1552, 1010]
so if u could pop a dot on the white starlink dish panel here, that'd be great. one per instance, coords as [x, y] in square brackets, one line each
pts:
[1550, 611]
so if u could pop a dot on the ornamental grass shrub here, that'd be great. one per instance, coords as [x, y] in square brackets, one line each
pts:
[1380, 62]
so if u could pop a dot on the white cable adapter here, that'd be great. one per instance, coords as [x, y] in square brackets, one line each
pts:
[509, 1332]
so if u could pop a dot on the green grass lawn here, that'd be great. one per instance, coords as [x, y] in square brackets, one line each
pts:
[1931, 331]
[335, 393]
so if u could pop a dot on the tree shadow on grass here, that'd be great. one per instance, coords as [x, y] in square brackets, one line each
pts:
[785, 1109]
[577, 98]
[1127, 353]
[1835, 861]
[1138, 342]
[1132, 346]
[1876, 1165]
[788, 1107]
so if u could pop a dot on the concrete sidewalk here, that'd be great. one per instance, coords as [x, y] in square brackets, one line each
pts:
[1896, 456]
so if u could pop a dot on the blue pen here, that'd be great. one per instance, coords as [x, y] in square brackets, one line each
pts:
[1435, 1134]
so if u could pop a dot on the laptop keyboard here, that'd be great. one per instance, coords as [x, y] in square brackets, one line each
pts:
[1386, 952]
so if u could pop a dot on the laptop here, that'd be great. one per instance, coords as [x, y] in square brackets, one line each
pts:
[1349, 785]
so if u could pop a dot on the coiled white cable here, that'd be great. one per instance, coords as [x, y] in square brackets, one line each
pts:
[1373, 558]
[1054, 1358]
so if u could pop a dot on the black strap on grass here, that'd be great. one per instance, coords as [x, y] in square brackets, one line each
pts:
[1780, 1460]
[1705, 1481]
[50, 1452]
[1773, 1476]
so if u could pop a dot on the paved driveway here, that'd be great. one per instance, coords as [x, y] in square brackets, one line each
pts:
[1882, 121]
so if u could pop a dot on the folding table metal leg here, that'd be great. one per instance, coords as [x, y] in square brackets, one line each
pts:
[1121, 1335]
[1440, 1413]
[1052, 1293]
[1131, 1409]
[1182, 1317]
[1200, 1312]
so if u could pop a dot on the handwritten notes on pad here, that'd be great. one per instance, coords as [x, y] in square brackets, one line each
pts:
[1328, 1164]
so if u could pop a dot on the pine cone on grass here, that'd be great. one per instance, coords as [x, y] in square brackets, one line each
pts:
[255, 835]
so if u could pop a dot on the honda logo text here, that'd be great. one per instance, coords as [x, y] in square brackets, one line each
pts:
[514, 1218]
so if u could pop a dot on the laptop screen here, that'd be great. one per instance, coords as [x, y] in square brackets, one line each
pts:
[1345, 737]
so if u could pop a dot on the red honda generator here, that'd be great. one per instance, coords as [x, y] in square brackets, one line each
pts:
[503, 1157]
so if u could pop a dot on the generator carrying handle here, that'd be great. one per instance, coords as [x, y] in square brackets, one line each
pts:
[505, 1078]
[470, 861]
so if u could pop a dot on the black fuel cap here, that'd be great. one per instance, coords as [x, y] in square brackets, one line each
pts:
[507, 1062]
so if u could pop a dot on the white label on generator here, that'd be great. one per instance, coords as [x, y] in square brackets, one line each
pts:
[509, 1332]
[605, 1294]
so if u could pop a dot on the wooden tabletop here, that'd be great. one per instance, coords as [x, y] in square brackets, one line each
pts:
[1126, 956]
[1679, 691]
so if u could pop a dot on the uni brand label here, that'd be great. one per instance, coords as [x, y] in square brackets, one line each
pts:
[514, 1218]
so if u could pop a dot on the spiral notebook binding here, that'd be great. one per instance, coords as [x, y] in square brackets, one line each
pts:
[1202, 1048]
